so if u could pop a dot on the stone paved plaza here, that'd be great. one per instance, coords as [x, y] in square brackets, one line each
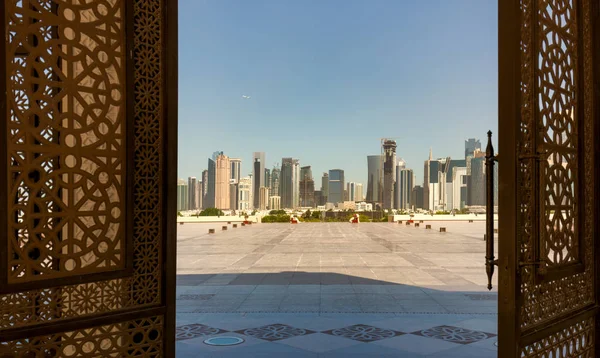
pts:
[335, 290]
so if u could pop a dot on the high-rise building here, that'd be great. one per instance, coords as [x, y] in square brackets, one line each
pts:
[286, 183]
[236, 169]
[199, 195]
[477, 183]
[471, 145]
[182, 195]
[222, 180]
[210, 191]
[192, 182]
[258, 175]
[268, 179]
[355, 192]
[204, 188]
[244, 190]
[437, 184]
[307, 188]
[295, 183]
[358, 192]
[275, 202]
[319, 198]
[257, 180]
[389, 173]
[336, 186]
[416, 198]
[263, 202]
[324, 187]
[275, 174]
[459, 188]
[404, 188]
[233, 194]
[374, 181]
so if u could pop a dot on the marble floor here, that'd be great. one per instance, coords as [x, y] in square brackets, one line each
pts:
[335, 289]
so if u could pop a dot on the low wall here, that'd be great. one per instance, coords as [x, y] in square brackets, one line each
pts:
[457, 217]
[215, 219]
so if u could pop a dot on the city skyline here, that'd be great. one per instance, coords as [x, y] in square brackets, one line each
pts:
[325, 81]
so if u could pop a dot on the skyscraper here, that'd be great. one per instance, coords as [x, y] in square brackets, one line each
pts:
[324, 187]
[192, 193]
[471, 145]
[416, 198]
[355, 192]
[257, 180]
[295, 183]
[389, 173]
[459, 188]
[286, 183]
[268, 179]
[307, 188]
[275, 179]
[236, 169]
[437, 188]
[210, 190]
[182, 195]
[244, 190]
[258, 175]
[374, 181]
[222, 180]
[404, 188]
[204, 188]
[263, 202]
[336, 186]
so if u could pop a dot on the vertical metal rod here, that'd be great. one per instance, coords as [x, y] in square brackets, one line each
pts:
[489, 212]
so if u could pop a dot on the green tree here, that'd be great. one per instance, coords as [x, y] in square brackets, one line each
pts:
[211, 212]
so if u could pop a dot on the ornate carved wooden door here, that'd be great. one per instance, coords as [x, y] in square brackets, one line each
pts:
[548, 145]
[87, 177]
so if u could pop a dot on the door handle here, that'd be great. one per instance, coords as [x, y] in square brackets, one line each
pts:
[490, 161]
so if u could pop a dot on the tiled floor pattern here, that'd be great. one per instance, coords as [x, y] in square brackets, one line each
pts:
[333, 336]
[335, 290]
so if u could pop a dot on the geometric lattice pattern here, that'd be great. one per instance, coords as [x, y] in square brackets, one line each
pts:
[196, 330]
[274, 332]
[555, 146]
[65, 137]
[363, 333]
[574, 341]
[101, 131]
[454, 334]
[139, 338]
[556, 76]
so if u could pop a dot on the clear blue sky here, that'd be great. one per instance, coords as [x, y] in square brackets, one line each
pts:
[328, 79]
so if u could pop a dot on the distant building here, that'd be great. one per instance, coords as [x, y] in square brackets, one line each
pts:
[389, 173]
[307, 188]
[477, 183]
[222, 181]
[257, 180]
[459, 188]
[471, 145]
[182, 195]
[275, 202]
[236, 169]
[417, 197]
[437, 183]
[192, 182]
[244, 190]
[286, 183]
[355, 191]
[199, 195]
[263, 202]
[233, 194]
[336, 186]
[267, 178]
[404, 187]
[324, 187]
[275, 174]
[363, 206]
[347, 205]
[209, 201]
[295, 183]
[319, 200]
[204, 188]
[374, 181]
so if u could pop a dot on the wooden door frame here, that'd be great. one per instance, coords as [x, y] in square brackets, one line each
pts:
[509, 114]
[171, 56]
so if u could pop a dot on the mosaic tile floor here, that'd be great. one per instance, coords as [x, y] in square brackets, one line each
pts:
[335, 290]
